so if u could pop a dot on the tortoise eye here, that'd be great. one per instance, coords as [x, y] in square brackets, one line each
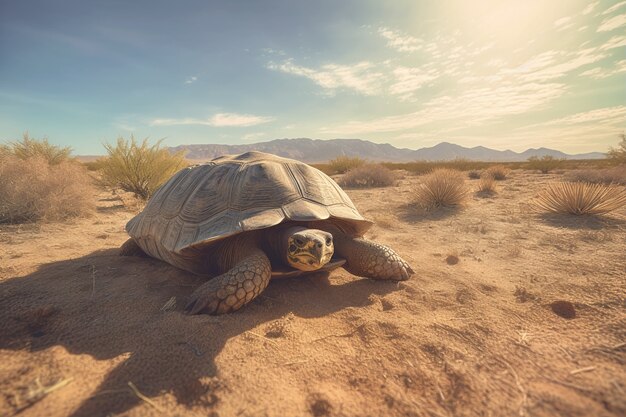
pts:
[329, 240]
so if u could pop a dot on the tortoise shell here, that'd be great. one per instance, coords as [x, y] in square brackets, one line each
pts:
[229, 195]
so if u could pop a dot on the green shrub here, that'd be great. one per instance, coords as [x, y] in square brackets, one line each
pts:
[580, 198]
[139, 168]
[442, 187]
[368, 175]
[32, 189]
[544, 164]
[32, 148]
[343, 164]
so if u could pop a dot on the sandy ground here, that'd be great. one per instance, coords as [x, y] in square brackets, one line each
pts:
[473, 338]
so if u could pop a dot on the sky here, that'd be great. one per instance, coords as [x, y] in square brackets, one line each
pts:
[505, 74]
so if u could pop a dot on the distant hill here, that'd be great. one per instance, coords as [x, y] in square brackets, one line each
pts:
[316, 150]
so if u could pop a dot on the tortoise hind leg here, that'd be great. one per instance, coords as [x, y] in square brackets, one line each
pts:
[366, 258]
[131, 248]
[231, 290]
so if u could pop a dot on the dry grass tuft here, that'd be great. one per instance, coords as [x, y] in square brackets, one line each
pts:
[473, 174]
[343, 164]
[580, 198]
[139, 168]
[441, 188]
[498, 172]
[369, 175]
[487, 185]
[33, 190]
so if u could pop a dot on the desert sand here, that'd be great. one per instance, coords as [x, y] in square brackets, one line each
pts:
[84, 332]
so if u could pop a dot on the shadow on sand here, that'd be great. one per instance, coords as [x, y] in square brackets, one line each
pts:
[110, 307]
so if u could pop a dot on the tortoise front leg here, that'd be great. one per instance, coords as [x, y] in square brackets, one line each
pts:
[366, 258]
[231, 290]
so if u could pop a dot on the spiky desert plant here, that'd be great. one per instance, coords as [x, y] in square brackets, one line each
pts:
[33, 148]
[139, 168]
[498, 172]
[343, 164]
[442, 187]
[368, 175]
[580, 198]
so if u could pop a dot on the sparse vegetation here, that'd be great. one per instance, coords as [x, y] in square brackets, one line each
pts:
[343, 164]
[618, 155]
[580, 198]
[442, 187]
[139, 168]
[544, 164]
[33, 190]
[497, 172]
[615, 175]
[369, 175]
[28, 148]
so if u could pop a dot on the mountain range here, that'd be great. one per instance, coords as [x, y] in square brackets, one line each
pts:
[316, 150]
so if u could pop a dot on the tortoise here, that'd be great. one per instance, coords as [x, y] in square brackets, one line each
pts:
[243, 219]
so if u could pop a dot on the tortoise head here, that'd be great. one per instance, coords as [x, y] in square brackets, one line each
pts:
[309, 249]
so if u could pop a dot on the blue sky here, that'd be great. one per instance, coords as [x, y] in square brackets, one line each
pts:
[504, 74]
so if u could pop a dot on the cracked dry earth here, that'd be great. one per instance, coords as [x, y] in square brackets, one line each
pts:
[509, 313]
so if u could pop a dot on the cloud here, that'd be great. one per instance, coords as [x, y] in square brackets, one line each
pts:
[399, 42]
[590, 8]
[217, 120]
[614, 42]
[191, 80]
[360, 77]
[408, 80]
[475, 107]
[612, 23]
[614, 7]
[253, 136]
[599, 73]
[563, 23]
[602, 115]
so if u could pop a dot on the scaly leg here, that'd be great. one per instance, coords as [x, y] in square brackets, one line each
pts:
[366, 258]
[231, 290]
[131, 248]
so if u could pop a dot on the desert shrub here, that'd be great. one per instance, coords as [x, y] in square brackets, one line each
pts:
[442, 187]
[487, 184]
[615, 175]
[138, 167]
[343, 164]
[580, 198]
[618, 155]
[497, 172]
[544, 164]
[368, 175]
[93, 165]
[473, 174]
[32, 148]
[33, 190]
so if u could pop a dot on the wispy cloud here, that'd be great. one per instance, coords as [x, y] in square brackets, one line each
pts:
[191, 80]
[217, 120]
[614, 7]
[607, 114]
[599, 73]
[361, 77]
[614, 42]
[563, 23]
[590, 8]
[408, 80]
[612, 23]
[399, 42]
